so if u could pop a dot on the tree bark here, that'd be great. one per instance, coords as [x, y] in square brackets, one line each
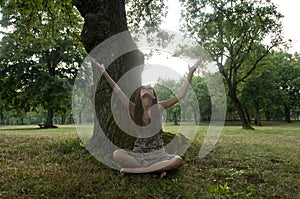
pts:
[49, 120]
[52, 62]
[239, 107]
[103, 19]
[248, 115]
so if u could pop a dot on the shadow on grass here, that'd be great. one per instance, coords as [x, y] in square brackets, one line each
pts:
[18, 129]
[24, 128]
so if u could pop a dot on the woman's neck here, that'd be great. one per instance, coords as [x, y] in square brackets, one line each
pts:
[146, 108]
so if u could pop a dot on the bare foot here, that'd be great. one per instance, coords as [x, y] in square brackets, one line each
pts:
[163, 174]
[122, 173]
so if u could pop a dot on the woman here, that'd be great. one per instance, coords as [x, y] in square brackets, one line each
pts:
[148, 154]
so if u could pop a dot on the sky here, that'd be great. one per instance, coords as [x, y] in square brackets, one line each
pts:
[291, 29]
[289, 8]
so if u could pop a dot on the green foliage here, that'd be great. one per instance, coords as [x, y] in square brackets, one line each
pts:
[274, 87]
[220, 189]
[166, 89]
[145, 13]
[232, 32]
[203, 97]
[40, 56]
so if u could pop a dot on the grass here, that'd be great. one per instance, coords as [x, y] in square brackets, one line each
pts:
[264, 163]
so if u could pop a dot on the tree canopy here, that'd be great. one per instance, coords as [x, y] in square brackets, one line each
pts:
[233, 33]
[39, 57]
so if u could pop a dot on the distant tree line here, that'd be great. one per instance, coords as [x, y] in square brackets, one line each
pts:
[270, 93]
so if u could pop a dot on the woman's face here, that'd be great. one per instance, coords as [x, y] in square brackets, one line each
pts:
[147, 92]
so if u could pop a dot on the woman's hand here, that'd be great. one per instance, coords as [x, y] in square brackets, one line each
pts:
[194, 67]
[100, 66]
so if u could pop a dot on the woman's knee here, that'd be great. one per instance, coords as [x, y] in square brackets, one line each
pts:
[119, 154]
[177, 161]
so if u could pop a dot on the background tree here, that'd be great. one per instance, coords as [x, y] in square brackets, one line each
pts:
[260, 90]
[274, 87]
[203, 98]
[102, 19]
[229, 30]
[166, 89]
[39, 61]
[288, 67]
[187, 108]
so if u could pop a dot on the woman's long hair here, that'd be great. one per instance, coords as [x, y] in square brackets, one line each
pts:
[139, 111]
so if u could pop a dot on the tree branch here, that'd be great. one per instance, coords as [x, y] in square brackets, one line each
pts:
[256, 63]
[147, 9]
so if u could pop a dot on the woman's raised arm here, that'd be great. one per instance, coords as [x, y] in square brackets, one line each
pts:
[181, 94]
[123, 98]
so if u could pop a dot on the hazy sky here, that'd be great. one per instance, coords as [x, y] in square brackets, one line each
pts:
[289, 8]
[291, 29]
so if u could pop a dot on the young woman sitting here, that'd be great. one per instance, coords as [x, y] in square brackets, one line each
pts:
[148, 154]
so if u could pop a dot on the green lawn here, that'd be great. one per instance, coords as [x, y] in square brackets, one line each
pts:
[264, 163]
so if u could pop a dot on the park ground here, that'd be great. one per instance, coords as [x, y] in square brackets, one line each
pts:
[53, 163]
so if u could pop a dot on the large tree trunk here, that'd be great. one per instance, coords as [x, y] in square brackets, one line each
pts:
[239, 107]
[248, 115]
[102, 20]
[49, 119]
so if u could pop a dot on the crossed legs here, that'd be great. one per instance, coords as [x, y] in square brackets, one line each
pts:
[131, 165]
[126, 160]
